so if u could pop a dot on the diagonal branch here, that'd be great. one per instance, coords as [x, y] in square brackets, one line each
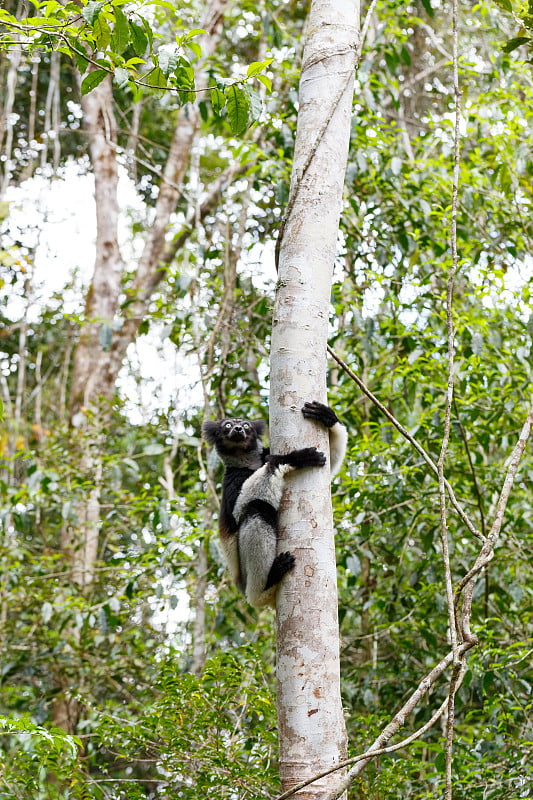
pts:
[405, 433]
[453, 629]
[380, 745]
[101, 348]
[465, 589]
[463, 597]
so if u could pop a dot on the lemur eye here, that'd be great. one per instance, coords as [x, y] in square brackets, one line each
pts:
[246, 426]
[227, 426]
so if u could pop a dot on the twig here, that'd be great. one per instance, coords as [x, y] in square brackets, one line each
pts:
[454, 685]
[464, 592]
[465, 589]
[399, 427]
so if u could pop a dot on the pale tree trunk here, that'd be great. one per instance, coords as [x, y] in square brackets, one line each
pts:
[6, 121]
[89, 376]
[312, 734]
[80, 542]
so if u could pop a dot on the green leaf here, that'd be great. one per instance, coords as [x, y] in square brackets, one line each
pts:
[195, 48]
[392, 61]
[406, 56]
[218, 100]
[132, 62]
[6, 17]
[138, 38]
[512, 44]
[428, 8]
[91, 11]
[92, 80]
[121, 77]
[257, 66]
[184, 74]
[79, 58]
[256, 106]
[167, 60]
[148, 31]
[204, 112]
[121, 32]
[265, 80]
[39, 21]
[102, 33]
[238, 105]
[156, 79]
[194, 32]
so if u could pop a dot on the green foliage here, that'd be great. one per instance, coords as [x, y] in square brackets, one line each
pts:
[190, 735]
[197, 731]
[109, 40]
[122, 651]
[103, 38]
[519, 11]
[39, 762]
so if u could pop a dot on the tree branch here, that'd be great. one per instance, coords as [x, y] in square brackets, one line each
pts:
[379, 746]
[465, 589]
[400, 428]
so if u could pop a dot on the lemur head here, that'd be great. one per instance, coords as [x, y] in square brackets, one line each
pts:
[235, 438]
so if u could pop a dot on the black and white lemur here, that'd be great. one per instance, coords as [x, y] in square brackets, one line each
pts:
[251, 495]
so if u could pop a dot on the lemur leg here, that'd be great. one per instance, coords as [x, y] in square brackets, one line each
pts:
[256, 511]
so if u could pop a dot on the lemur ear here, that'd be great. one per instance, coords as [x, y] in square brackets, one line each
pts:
[211, 431]
[259, 426]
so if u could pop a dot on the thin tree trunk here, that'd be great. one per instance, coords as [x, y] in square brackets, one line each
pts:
[101, 349]
[23, 354]
[6, 119]
[103, 343]
[312, 733]
[199, 648]
[89, 377]
[32, 118]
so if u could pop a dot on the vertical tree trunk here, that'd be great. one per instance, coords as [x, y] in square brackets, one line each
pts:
[103, 343]
[311, 725]
[7, 125]
[90, 377]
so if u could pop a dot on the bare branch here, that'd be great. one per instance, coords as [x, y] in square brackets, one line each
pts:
[450, 719]
[379, 747]
[399, 427]
[465, 589]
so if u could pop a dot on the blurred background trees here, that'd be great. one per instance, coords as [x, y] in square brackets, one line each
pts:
[143, 651]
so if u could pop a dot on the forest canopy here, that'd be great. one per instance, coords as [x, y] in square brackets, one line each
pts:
[145, 173]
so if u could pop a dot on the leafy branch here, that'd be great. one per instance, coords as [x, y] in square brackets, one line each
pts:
[104, 40]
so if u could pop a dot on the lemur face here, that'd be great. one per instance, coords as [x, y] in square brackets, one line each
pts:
[236, 430]
[237, 434]
[234, 435]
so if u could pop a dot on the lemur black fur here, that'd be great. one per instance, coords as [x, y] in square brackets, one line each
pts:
[251, 495]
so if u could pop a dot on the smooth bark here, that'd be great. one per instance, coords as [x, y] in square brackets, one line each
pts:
[311, 725]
